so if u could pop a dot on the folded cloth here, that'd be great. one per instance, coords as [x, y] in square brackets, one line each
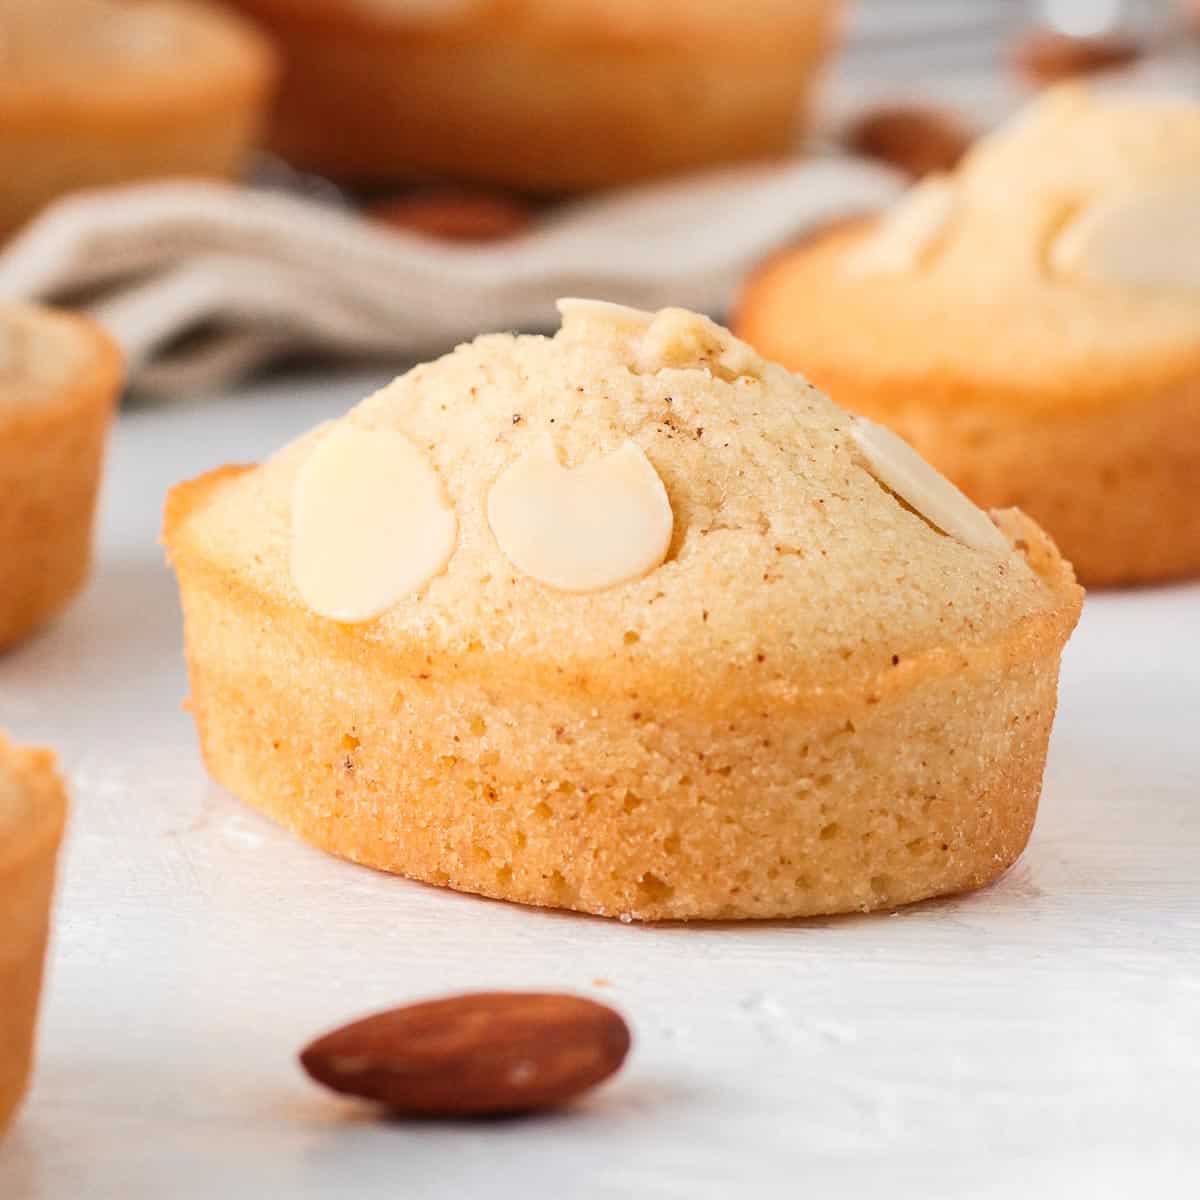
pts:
[203, 282]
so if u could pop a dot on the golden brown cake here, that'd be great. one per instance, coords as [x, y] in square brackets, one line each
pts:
[1031, 324]
[59, 380]
[101, 92]
[33, 809]
[541, 95]
[626, 620]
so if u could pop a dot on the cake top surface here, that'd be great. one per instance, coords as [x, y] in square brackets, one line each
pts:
[785, 555]
[104, 45]
[40, 352]
[1066, 229]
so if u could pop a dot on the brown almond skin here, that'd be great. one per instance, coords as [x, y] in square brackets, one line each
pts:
[915, 138]
[455, 216]
[1046, 56]
[479, 1054]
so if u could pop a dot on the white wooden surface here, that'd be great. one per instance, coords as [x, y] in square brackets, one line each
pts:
[1041, 1039]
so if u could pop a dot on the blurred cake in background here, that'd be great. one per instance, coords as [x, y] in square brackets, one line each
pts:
[59, 379]
[541, 95]
[1031, 324]
[33, 811]
[97, 92]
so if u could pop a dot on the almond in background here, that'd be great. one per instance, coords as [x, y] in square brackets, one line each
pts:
[917, 139]
[455, 215]
[1045, 56]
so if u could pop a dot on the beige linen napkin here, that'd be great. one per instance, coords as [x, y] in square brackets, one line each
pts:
[203, 282]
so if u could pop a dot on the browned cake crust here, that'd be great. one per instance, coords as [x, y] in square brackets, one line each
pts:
[541, 96]
[29, 842]
[51, 458]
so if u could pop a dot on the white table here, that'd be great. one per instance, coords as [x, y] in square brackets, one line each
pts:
[1040, 1039]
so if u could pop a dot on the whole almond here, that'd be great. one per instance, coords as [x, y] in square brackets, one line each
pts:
[473, 1055]
[455, 216]
[1045, 56]
[918, 139]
